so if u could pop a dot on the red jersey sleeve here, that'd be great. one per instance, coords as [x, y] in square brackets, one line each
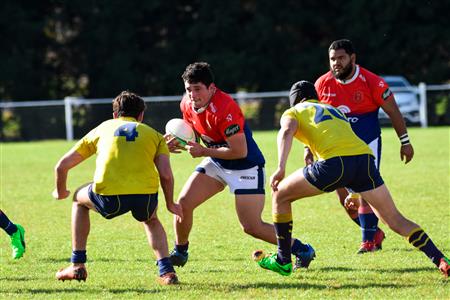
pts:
[231, 121]
[379, 88]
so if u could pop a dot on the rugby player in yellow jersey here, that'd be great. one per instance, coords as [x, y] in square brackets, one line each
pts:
[343, 160]
[132, 159]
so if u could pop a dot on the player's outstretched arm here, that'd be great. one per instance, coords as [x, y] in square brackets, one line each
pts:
[284, 144]
[162, 163]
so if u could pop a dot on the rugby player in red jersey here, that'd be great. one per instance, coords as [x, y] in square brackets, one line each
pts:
[359, 94]
[231, 157]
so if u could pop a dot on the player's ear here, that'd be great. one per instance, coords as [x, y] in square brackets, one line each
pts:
[353, 58]
[212, 87]
[115, 115]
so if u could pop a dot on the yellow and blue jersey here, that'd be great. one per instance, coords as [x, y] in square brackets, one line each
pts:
[325, 130]
[125, 150]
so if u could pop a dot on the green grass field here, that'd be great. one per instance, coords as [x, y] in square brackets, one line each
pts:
[121, 265]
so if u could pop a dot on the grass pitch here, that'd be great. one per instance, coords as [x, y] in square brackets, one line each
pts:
[121, 265]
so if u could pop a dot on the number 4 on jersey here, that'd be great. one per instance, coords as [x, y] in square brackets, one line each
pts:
[127, 130]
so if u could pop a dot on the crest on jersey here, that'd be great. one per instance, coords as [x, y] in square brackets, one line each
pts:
[358, 97]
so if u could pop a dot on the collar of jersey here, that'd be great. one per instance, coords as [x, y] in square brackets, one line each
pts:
[127, 119]
[351, 79]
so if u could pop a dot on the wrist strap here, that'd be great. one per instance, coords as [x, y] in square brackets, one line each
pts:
[404, 139]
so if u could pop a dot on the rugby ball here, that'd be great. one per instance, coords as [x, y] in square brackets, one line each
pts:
[181, 130]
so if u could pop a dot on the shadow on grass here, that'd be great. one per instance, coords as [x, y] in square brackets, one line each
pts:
[106, 259]
[302, 285]
[388, 270]
[17, 278]
[93, 291]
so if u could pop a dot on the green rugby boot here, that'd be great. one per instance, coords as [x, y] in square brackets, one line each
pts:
[269, 262]
[18, 242]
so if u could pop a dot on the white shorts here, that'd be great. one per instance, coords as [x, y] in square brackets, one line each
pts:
[249, 181]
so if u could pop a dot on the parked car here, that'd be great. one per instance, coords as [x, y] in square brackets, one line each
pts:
[406, 98]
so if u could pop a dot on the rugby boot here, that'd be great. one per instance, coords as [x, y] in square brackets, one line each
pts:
[18, 242]
[303, 259]
[72, 272]
[367, 246]
[378, 238]
[269, 262]
[178, 258]
[169, 278]
[444, 266]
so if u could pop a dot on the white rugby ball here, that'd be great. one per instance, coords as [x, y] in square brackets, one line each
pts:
[182, 130]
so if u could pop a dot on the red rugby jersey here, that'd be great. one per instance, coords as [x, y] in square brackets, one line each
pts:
[364, 93]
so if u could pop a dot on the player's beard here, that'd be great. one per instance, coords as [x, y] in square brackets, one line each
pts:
[344, 72]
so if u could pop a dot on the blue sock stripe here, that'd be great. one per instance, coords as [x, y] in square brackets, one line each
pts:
[165, 266]
[78, 256]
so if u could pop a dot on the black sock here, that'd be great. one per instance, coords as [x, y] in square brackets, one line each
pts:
[6, 224]
[419, 239]
[283, 229]
[182, 248]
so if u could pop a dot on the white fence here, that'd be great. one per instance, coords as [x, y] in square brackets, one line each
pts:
[69, 102]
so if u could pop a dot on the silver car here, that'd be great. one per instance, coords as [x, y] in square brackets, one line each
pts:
[405, 96]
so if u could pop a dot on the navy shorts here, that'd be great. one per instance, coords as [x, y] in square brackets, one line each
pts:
[357, 172]
[141, 206]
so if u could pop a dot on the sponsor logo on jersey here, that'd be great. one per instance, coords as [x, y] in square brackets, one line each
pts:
[361, 76]
[386, 94]
[381, 84]
[229, 118]
[353, 119]
[344, 109]
[232, 130]
[248, 177]
[329, 94]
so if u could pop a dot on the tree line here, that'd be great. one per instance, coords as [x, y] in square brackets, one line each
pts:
[94, 49]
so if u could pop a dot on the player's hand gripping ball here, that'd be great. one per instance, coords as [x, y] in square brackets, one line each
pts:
[181, 130]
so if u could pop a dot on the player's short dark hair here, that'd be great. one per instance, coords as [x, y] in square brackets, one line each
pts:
[345, 44]
[128, 104]
[300, 91]
[198, 72]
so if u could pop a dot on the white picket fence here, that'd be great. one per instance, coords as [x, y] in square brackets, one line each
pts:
[69, 102]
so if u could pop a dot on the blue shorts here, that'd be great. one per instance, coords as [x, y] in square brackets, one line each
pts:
[141, 206]
[357, 172]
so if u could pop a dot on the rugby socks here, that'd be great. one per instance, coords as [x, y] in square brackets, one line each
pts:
[182, 248]
[419, 239]
[165, 266]
[8, 226]
[78, 257]
[283, 229]
[369, 223]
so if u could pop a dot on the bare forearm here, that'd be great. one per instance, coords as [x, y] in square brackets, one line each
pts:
[284, 142]
[225, 153]
[167, 185]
